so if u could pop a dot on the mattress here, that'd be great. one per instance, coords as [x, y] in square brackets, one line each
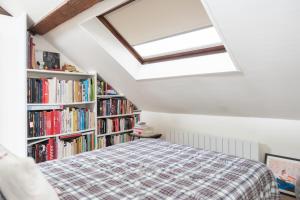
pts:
[155, 169]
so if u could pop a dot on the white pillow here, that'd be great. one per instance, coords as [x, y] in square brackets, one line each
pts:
[21, 179]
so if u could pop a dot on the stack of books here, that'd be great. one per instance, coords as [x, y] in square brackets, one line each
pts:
[141, 128]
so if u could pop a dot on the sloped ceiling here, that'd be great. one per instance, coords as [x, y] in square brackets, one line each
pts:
[263, 37]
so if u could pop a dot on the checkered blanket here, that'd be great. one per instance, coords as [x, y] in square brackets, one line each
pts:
[154, 169]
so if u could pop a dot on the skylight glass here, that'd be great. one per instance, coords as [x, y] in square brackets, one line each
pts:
[187, 41]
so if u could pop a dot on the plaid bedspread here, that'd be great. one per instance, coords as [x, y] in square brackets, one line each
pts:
[154, 169]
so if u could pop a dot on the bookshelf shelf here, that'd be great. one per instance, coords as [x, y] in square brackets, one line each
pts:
[41, 72]
[84, 132]
[121, 115]
[114, 133]
[48, 106]
[109, 96]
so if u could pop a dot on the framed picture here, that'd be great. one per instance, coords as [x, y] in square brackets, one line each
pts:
[286, 171]
[47, 60]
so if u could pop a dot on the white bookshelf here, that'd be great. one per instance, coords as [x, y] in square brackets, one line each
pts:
[105, 118]
[61, 75]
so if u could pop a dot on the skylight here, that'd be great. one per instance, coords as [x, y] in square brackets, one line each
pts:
[185, 30]
[197, 39]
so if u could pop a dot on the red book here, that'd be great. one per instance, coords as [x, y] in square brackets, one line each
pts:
[54, 117]
[56, 122]
[48, 151]
[117, 124]
[51, 144]
[49, 123]
[70, 136]
[46, 91]
[52, 123]
[43, 90]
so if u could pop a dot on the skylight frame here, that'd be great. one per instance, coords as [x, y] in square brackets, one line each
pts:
[207, 50]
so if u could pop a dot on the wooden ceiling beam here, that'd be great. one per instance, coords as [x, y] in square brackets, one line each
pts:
[4, 12]
[62, 14]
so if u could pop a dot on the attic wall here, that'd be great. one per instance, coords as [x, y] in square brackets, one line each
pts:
[275, 136]
[13, 63]
[264, 44]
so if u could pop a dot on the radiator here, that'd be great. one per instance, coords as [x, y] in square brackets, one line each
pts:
[236, 147]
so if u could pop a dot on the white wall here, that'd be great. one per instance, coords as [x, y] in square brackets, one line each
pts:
[44, 45]
[277, 136]
[267, 86]
[13, 83]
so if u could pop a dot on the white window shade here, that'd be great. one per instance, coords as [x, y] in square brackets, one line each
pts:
[187, 41]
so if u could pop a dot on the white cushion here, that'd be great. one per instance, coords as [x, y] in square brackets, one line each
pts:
[21, 179]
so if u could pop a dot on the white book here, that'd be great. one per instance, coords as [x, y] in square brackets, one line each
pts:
[69, 91]
[52, 90]
[58, 91]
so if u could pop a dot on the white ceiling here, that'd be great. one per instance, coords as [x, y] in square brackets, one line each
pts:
[146, 20]
[263, 37]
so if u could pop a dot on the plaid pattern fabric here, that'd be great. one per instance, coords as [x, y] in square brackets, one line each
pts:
[154, 169]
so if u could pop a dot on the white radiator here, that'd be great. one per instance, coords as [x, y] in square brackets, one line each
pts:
[241, 148]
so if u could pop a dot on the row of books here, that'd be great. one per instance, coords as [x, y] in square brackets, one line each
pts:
[42, 123]
[42, 151]
[114, 107]
[71, 146]
[114, 125]
[54, 90]
[104, 88]
[113, 139]
[61, 148]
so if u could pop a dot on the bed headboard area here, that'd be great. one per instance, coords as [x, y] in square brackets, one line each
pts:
[237, 147]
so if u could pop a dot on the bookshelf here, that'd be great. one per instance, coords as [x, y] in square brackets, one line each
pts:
[63, 114]
[116, 116]
[67, 125]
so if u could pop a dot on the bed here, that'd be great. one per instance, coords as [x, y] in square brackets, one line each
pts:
[155, 169]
